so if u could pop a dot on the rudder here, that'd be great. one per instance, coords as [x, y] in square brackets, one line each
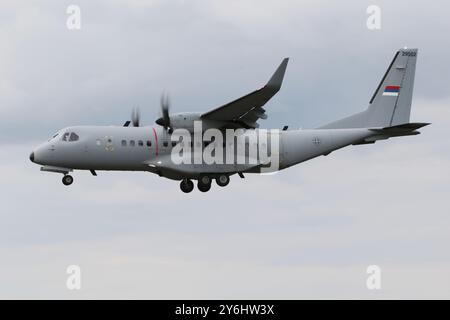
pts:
[391, 102]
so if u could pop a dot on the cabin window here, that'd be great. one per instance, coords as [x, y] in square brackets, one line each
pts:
[124, 143]
[132, 143]
[149, 143]
[165, 144]
[140, 143]
[174, 143]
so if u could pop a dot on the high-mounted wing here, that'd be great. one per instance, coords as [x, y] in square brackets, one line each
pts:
[245, 111]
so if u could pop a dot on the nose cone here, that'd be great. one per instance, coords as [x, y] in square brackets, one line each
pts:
[32, 157]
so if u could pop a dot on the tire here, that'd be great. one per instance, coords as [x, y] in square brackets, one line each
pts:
[205, 180]
[203, 187]
[223, 180]
[67, 180]
[186, 185]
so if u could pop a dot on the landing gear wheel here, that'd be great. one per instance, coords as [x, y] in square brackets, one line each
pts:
[204, 180]
[203, 187]
[204, 183]
[67, 180]
[186, 185]
[223, 180]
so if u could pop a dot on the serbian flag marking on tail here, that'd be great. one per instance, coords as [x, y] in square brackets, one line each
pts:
[391, 91]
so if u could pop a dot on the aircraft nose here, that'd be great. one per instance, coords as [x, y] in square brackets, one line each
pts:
[32, 157]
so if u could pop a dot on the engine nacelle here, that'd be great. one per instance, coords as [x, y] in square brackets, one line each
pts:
[185, 120]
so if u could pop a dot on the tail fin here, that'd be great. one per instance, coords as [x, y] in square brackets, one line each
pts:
[391, 103]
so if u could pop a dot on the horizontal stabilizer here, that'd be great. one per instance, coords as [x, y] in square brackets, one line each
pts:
[402, 128]
[407, 129]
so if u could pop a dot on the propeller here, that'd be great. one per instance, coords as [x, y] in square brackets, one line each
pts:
[164, 120]
[135, 116]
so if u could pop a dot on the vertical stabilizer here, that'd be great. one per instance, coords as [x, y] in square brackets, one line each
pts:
[390, 105]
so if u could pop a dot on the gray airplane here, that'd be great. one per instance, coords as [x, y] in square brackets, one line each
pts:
[132, 147]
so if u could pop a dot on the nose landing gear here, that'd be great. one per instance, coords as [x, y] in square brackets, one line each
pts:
[67, 180]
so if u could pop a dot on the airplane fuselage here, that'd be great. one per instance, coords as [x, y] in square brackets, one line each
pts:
[137, 148]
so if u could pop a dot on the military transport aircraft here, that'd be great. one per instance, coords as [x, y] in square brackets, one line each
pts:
[156, 149]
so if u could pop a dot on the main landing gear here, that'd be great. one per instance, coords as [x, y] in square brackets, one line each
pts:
[67, 180]
[204, 183]
[223, 180]
[186, 185]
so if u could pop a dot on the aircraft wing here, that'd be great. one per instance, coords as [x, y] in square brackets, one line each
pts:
[245, 111]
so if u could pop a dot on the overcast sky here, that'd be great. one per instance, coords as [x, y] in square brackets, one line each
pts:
[307, 232]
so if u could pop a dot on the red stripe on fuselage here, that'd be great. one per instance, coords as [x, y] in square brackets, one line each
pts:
[156, 141]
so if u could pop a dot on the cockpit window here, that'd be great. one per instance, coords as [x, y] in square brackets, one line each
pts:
[70, 136]
[73, 137]
[65, 136]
